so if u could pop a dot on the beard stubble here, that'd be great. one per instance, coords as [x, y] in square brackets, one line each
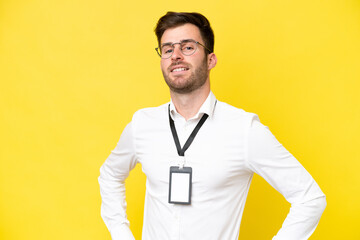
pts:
[196, 79]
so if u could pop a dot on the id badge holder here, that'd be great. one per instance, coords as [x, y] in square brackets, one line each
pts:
[180, 185]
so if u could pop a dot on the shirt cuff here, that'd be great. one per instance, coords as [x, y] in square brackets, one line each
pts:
[122, 232]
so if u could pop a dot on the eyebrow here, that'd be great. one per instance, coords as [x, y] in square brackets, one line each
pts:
[183, 40]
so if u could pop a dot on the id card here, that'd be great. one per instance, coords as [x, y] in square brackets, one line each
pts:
[180, 185]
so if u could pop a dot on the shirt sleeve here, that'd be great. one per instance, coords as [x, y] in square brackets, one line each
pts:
[112, 186]
[268, 158]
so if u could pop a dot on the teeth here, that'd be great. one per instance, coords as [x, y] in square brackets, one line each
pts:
[179, 69]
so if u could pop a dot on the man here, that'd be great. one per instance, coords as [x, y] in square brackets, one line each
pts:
[199, 154]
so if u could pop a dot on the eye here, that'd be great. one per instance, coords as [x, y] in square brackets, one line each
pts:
[188, 47]
[166, 49]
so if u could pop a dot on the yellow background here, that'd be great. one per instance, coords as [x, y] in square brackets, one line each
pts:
[73, 72]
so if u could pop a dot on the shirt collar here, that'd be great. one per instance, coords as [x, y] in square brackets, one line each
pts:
[207, 107]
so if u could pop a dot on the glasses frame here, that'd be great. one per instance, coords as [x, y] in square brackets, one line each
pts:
[158, 50]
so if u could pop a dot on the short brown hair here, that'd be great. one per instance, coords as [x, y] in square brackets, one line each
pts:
[176, 19]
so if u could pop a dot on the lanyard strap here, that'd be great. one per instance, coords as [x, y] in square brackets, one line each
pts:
[181, 151]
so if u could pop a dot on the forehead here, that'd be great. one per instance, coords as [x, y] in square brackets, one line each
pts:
[186, 31]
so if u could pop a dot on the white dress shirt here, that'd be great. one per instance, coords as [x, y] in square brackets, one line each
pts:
[230, 147]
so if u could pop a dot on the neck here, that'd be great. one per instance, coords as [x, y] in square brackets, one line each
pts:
[187, 105]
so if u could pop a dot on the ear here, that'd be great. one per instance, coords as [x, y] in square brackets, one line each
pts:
[212, 60]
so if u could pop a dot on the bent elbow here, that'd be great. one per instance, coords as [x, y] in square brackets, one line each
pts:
[322, 204]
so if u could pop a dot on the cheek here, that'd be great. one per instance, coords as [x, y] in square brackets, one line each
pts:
[163, 65]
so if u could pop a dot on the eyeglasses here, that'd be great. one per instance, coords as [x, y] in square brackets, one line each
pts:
[187, 47]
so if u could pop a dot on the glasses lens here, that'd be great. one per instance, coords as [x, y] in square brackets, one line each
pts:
[166, 50]
[188, 47]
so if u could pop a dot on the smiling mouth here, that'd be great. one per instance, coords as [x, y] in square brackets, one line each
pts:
[181, 69]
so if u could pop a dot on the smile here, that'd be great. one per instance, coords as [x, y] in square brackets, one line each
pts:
[179, 69]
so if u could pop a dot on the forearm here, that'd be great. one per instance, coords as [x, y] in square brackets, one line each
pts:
[268, 158]
[302, 220]
[113, 207]
[113, 174]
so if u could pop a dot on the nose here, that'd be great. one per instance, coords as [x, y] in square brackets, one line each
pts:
[177, 54]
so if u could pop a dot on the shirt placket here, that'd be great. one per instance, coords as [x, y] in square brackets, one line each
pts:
[184, 129]
[175, 233]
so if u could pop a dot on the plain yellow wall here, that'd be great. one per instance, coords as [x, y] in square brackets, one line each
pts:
[73, 72]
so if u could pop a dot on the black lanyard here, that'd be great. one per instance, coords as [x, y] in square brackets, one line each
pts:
[181, 151]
